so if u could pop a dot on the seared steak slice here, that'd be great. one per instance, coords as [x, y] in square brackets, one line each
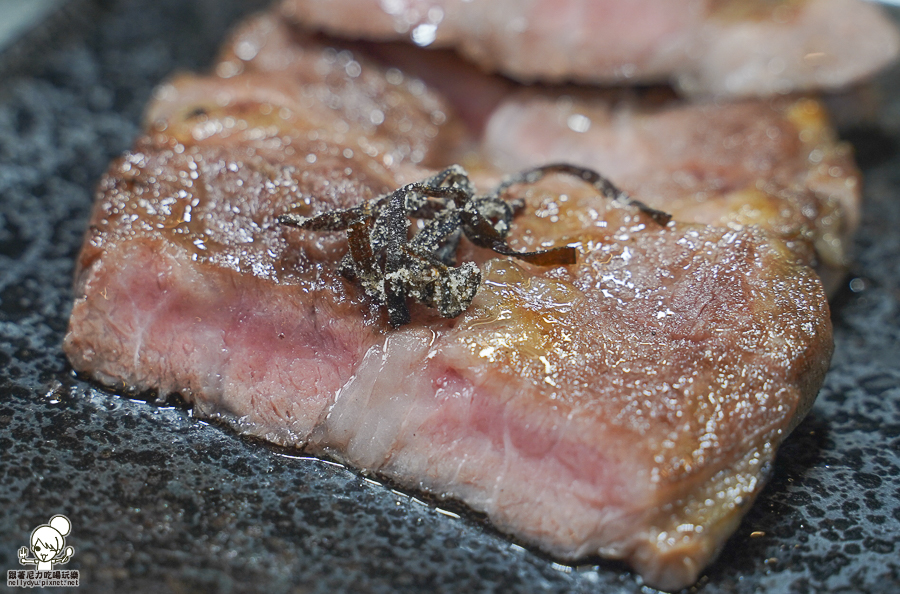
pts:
[727, 47]
[627, 405]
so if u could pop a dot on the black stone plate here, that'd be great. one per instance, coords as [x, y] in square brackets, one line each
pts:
[162, 502]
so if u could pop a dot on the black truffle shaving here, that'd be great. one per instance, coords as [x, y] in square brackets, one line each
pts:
[392, 267]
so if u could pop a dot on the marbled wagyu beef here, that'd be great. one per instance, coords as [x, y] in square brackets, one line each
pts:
[628, 405]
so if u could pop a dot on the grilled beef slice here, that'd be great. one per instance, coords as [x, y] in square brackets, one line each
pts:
[721, 47]
[628, 405]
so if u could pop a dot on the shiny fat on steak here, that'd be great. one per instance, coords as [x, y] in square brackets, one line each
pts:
[628, 405]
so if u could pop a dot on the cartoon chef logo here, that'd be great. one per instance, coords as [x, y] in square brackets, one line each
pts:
[48, 543]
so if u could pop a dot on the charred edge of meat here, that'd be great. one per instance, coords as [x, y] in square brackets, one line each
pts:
[392, 267]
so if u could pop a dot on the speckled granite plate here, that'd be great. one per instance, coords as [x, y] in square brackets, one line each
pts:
[162, 502]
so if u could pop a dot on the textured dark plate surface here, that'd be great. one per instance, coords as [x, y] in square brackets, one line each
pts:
[161, 502]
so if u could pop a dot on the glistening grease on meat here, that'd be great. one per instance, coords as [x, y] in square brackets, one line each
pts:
[775, 163]
[629, 404]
